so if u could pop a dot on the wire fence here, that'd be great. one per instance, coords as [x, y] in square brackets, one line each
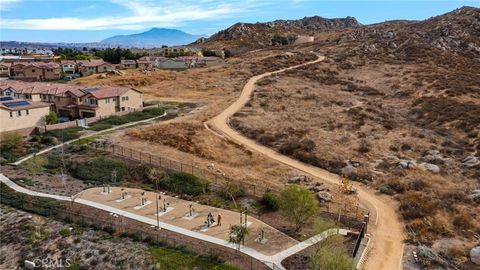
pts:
[217, 178]
[214, 176]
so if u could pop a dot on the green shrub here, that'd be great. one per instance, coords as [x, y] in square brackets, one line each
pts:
[100, 169]
[230, 189]
[271, 201]
[100, 126]
[11, 146]
[130, 117]
[54, 161]
[298, 204]
[184, 183]
[65, 134]
[51, 118]
[36, 138]
[109, 229]
[77, 148]
[385, 189]
[48, 140]
[38, 205]
[112, 120]
[65, 232]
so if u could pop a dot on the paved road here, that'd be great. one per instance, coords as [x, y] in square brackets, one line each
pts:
[386, 228]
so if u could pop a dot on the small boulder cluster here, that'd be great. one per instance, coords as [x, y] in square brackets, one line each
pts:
[323, 194]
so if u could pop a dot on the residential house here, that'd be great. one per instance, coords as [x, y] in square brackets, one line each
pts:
[68, 67]
[88, 67]
[74, 101]
[18, 114]
[105, 101]
[35, 71]
[128, 64]
[174, 63]
[208, 61]
[5, 69]
[144, 64]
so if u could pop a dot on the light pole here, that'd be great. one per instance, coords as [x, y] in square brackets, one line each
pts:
[158, 218]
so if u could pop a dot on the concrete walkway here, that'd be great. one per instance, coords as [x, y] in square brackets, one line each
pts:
[270, 261]
[86, 136]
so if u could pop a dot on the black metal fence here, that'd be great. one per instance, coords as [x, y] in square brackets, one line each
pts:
[217, 178]
[214, 176]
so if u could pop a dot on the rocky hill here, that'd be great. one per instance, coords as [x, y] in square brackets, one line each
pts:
[457, 31]
[255, 35]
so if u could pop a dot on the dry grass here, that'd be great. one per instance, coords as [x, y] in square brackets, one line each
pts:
[367, 110]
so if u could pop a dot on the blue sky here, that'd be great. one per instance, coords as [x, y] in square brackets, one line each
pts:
[88, 21]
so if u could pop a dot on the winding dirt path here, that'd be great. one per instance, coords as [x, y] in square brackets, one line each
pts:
[385, 227]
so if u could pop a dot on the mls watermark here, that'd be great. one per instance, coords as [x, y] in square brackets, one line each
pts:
[48, 263]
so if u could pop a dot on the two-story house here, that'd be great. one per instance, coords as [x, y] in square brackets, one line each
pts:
[128, 64]
[68, 67]
[18, 114]
[35, 71]
[104, 101]
[88, 67]
[5, 69]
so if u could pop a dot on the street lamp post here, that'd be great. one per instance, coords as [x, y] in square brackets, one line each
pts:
[158, 220]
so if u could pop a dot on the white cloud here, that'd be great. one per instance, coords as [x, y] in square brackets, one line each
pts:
[141, 14]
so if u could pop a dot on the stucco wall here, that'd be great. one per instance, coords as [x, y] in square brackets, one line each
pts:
[135, 100]
[36, 117]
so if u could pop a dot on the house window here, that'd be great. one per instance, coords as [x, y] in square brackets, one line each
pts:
[33, 70]
[74, 99]
[11, 114]
[114, 99]
[19, 113]
[28, 112]
[107, 100]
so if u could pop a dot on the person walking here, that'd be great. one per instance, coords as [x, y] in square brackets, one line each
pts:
[219, 220]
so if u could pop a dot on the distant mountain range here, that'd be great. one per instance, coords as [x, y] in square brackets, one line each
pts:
[153, 38]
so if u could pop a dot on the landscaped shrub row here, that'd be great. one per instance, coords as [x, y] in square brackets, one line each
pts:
[100, 169]
[130, 117]
[65, 134]
[184, 183]
[38, 205]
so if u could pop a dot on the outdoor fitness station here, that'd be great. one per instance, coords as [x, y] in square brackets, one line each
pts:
[203, 219]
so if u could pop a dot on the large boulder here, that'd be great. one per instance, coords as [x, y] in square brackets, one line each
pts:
[471, 162]
[429, 167]
[434, 157]
[324, 196]
[407, 164]
[475, 255]
[349, 170]
[475, 195]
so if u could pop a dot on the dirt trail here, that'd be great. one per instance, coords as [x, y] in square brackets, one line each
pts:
[385, 227]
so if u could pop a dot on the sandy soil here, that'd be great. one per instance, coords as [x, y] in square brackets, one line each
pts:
[386, 229]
